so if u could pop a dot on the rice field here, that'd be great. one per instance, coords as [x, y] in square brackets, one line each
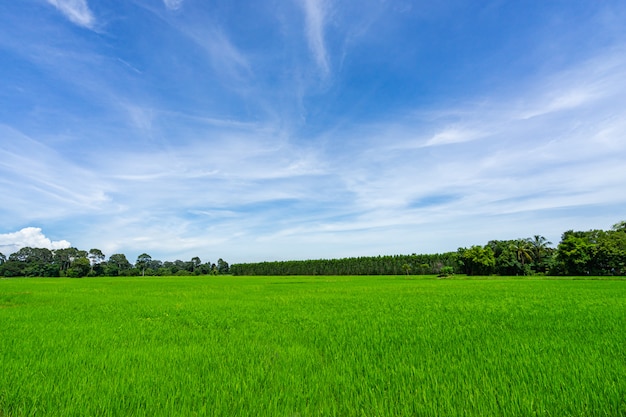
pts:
[312, 346]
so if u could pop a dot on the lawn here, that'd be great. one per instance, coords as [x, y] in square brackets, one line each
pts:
[312, 346]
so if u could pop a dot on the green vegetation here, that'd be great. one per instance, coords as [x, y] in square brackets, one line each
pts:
[595, 252]
[76, 263]
[366, 265]
[312, 346]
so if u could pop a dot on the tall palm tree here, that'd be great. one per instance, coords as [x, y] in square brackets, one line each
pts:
[522, 250]
[539, 246]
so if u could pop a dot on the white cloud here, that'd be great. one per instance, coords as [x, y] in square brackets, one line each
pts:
[225, 55]
[452, 135]
[77, 11]
[230, 63]
[29, 237]
[173, 4]
[497, 164]
[256, 182]
[315, 13]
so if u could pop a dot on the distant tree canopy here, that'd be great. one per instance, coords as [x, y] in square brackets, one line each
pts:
[593, 252]
[369, 265]
[477, 260]
[75, 263]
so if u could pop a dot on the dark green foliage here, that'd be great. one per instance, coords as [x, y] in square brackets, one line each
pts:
[65, 257]
[521, 256]
[574, 254]
[477, 260]
[74, 263]
[80, 268]
[372, 265]
[541, 253]
[31, 262]
[222, 266]
[143, 261]
[595, 252]
[446, 271]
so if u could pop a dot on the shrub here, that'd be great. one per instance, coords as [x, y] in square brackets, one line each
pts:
[446, 271]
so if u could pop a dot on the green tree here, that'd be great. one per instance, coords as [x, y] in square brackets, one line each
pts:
[523, 253]
[155, 267]
[195, 263]
[142, 261]
[33, 255]
[575, 253]
[65, 257]
[477, 260]
[96, 257]
[446, 271]
[620, 227]
[222, 266]
[594, 252]
[610, 253]
[117, 265]
[12, 268]
[540, 249]
[34, 262]
[506, 259]
[79, 268]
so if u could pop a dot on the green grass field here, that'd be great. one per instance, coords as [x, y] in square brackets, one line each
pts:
[312, 346]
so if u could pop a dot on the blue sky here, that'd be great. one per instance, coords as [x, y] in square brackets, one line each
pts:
[303, 129]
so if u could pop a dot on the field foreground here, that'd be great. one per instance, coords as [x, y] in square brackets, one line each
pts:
[312, 346]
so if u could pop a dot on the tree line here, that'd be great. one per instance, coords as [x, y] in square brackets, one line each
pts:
[76, 263]
[368, 265]
[593, 252]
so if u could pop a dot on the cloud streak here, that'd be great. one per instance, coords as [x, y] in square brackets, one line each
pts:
[205, 132]
[77, 11]
[57, 191]
[173, 4]
[315, 13]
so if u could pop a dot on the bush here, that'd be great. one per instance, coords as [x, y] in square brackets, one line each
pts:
[446, 271]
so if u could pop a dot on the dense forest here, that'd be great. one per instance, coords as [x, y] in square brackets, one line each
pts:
[378, 265]
[593, 252]
[76, 263]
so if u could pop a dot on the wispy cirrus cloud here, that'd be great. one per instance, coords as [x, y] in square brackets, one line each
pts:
[315, 13]
[57, 190]
[496, 162]
[77, 11]
[200, 128]
[452, 135]
[225, 56]
[173, 4]
[228, 61]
